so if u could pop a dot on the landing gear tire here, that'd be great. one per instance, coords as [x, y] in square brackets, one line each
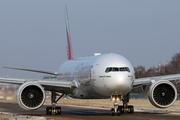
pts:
[58, 110]
[121, 108]
[49, 111]
[118, 111]
[112, 112]
[130, 109]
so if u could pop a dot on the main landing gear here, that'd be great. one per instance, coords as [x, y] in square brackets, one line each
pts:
[120, 109]
[54, 109]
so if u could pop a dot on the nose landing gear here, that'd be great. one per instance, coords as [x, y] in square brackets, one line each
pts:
[120, 109]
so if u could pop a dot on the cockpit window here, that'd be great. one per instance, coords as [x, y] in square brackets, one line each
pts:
[122, 69]
[108, 70]
[114, 69]
[127, 69]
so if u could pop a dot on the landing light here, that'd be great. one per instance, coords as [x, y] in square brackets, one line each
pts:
[114, 98]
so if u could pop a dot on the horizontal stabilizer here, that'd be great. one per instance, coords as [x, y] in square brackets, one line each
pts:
[33, 70]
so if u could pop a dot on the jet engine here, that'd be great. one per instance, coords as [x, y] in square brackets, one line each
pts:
[30, 95]
[162, 94]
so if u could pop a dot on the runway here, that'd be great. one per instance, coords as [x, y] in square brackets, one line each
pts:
[86, 113]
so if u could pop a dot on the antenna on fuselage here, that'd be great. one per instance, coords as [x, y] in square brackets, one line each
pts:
[69, 46]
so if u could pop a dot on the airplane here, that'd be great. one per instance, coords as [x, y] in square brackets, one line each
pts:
[106, 76]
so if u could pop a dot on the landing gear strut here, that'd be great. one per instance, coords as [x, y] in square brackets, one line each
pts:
[54, 109]
[125, 108]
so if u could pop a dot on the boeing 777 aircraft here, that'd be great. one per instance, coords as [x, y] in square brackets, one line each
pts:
[98, 77]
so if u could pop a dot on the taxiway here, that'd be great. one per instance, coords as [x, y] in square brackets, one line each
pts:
[88, 113]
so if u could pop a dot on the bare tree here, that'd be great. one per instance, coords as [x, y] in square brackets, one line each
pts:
[174, 65]
[139, 71]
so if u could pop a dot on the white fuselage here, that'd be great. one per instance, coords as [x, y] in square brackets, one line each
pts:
[98, 76]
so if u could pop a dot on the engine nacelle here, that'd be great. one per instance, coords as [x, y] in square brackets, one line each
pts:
[162, 94]
[30, 95]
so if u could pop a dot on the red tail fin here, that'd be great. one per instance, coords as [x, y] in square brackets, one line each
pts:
[69, 48]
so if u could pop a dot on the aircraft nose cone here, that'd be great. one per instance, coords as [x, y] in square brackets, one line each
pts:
[122, 84]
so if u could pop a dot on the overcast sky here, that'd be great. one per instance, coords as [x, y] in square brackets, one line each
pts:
[33, 32]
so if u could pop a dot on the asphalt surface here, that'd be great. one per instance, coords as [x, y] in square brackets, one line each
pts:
[88, 113]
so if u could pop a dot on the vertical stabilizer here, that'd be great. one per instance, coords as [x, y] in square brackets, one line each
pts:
[69, 47]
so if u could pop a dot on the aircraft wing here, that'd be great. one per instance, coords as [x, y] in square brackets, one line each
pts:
[149, 80]
[57, 85]
[33, 70]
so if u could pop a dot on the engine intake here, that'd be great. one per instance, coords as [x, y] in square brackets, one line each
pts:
[30, 95]
[162, 94]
